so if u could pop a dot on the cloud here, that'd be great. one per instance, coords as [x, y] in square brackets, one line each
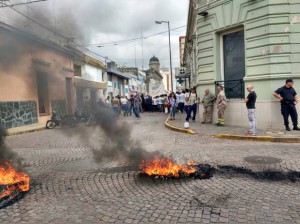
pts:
[102, 21]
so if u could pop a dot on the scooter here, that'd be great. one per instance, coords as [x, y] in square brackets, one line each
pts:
[68, 120]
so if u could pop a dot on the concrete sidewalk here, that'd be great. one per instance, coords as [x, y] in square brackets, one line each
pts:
[235, 132]
[26, 129]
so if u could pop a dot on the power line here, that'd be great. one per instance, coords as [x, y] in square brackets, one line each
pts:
[77, 44]
[82, 47]
[164, 32]
[4, 5]
[132, 40]
[132, 59]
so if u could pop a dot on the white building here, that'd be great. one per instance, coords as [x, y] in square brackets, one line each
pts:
[90, 81]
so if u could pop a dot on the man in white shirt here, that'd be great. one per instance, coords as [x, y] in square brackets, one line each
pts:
[181, 100]
[193, 101]
[187, 104]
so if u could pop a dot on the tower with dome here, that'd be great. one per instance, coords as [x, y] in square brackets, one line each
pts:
[154, 78]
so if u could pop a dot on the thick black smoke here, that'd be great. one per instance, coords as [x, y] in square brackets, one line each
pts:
[6, 154]
[118, 145]
[11, 53]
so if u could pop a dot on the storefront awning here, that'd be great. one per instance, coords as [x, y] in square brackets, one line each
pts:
[118, 73]
[89, 84]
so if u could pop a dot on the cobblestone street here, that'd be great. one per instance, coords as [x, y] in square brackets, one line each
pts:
[69, 187]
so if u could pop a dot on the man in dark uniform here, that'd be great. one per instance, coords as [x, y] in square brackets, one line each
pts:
[289, 99]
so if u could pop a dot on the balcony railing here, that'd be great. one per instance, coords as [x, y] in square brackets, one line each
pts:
[234, 89]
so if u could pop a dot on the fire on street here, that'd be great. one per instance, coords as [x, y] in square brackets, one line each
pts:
[67, 186]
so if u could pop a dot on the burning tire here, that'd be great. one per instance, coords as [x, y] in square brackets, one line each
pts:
[12, 184]
[12, 197]
[50, 124]
[167, 168]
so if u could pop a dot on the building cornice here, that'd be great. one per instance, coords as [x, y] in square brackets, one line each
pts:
[94, 62]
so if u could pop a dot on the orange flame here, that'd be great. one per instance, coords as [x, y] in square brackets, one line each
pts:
[13, 180]
[164, 167]
[192, 163]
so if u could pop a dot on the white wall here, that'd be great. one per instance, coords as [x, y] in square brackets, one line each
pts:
[133, 82]
[91, 73]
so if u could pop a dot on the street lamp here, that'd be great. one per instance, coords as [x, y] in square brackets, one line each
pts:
[168, 22]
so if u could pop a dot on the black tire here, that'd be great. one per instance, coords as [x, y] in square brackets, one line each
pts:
[50, 124]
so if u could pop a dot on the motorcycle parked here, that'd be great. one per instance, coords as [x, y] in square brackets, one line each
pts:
[68, 120]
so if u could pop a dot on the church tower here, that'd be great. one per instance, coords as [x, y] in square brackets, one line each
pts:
[154, 64]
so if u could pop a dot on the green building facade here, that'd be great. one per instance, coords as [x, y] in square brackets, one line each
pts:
[239, 42]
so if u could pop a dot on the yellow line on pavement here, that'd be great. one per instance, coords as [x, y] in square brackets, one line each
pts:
[259, 138]
[182, 130]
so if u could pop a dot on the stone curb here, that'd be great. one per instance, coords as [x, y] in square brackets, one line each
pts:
[259, 138]
[24, 132]
[182, 130]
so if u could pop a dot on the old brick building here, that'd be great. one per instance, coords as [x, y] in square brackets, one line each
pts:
[36, 77]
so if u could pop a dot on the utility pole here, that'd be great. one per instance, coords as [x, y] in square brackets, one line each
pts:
[170, 51]
[134, 54]
[142, 38]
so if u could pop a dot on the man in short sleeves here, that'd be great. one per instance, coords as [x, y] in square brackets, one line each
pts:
[250, 104]
[288, 98]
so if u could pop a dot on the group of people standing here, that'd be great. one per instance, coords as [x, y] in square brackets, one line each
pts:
[125, 105]
[189, 101]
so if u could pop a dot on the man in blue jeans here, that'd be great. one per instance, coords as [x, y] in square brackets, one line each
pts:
[191, 105]
[136, 107]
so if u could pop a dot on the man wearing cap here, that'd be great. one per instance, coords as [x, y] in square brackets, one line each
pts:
[288, 98]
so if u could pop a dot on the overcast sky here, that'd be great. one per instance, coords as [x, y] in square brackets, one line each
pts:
[100, 22]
